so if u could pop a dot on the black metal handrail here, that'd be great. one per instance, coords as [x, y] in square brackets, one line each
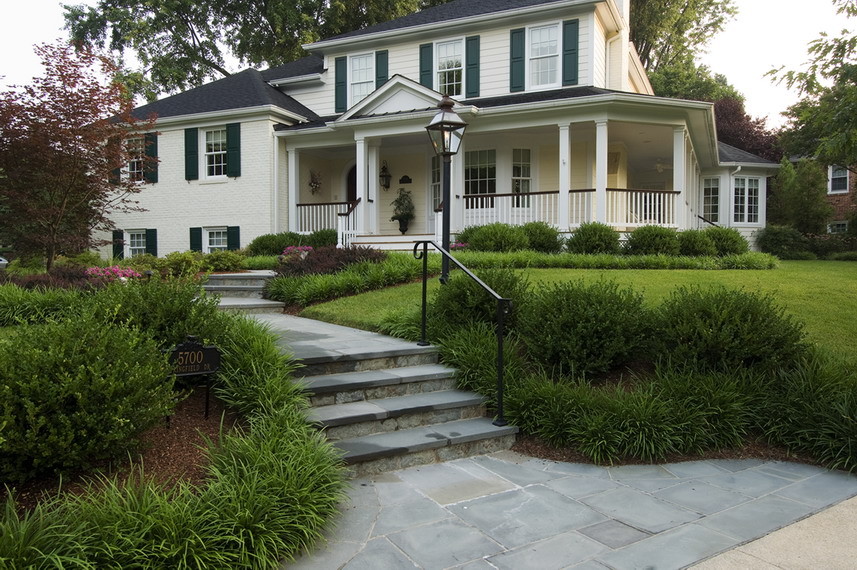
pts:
[707, 221]
[504, 306]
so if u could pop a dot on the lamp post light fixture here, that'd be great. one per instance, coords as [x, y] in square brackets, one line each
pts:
[385, 177]
[446, 130]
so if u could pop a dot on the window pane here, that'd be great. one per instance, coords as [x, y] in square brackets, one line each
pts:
[740, 207]
[215, 152]
[711, 199]
[136, 243]
[362, 77]
[838, 179]
[216, 240]
[544, 55]
[450, 69]
[135, 159]
[479, 177]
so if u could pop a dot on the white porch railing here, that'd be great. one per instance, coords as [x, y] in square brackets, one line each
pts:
[323, 216]
[514, 209]
[346, 225]
[581, 207]
[634, 208]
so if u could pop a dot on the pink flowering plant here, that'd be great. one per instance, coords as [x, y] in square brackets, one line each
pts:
[112, 273]
[297, 250]
[458, 245]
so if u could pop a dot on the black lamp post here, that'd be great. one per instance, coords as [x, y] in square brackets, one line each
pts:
[446, 130]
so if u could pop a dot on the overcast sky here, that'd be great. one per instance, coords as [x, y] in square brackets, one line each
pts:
[765, 34]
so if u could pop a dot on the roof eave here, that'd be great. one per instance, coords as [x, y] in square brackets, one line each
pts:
[226, 113]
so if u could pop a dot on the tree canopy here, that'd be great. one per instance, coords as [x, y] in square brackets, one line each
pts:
[62, 140]
[800, 199]
[685, 80]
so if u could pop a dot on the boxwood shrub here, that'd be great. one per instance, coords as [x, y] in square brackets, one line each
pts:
[728, 241]
[542, 237]
[652, 240]
[696, 243]
[594, 237]
[495, 237]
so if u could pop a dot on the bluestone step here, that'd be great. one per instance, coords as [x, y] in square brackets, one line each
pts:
[344, 387]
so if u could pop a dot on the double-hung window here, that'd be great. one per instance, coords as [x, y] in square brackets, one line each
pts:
[215, 153]
[361, 78]
[543, 56]
[521, 176]
[746, 201]
[449, 60]
[711, 199]
[435, 185]
[136, 242]
[136, 159]
[838, 177]
[480, 176]
[216, 239]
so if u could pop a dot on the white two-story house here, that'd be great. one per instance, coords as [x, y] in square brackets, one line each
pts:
[562, 128]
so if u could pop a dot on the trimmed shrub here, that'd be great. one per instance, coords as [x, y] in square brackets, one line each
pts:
[321, 238]
[495, 237]
[181, 264]
[274, 244]
[75, 392]
[462, 301]
[725, 329]
[542, 237]
[826, 245]
[594, 237]
[578, 329]
[783, 241]
[696, 243]
[846, 256]
[222, 260]
[325, 260]
[652, 240]
[728, 241]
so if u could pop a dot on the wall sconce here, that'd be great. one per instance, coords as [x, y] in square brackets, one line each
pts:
[385, 177]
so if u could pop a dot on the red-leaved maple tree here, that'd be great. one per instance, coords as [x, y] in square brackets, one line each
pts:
[64, 140]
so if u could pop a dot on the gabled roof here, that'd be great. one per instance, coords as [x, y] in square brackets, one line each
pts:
[242, 90]
[732, 155]
[456, 10]
[304, 66]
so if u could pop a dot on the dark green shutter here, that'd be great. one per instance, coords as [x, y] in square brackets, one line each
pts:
[427, 65]
[382, 68]
[150, 168]
[471, 58]
[570, 40]
[196, 239]
[118, 244]
[152, 242]
[341, 84]
[191, 154]
[517, 60]
[233, 150]
[233, 237]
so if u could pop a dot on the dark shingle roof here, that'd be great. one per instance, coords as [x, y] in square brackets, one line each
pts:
[729, 153]
[304, 66]
[239, 91]
[446, 12]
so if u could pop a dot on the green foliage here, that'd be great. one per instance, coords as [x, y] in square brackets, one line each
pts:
[728, 241]
[594, 237]
[260, 262]
[577, 328]
[783, 241]
[495, 237]
[723, 329]
[75, 392]
[800, 199]
[19, 306]
[222, 260]
[846, 256]
[652, 240]
[326, 260]
[274, 244]
[542, 237]
[685, 80]
[696, 243]
[462, 300]
[826, 245]
[321, 238]
[403, 207]
[181, 264]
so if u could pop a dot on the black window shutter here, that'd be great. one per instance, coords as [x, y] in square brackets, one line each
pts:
[152, 242]
[382, 68]
[517, 60]
[570, 40]
[341, 83]
[233, 150]
[427, 65]
[233, 237]
[196, 239]
[118, 244]
[191, 154]
[471, 58]
[150, 172]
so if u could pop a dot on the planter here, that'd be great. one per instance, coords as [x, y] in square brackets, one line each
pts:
[403, 225]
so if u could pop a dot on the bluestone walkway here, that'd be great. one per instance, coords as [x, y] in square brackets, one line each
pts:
[510, 511]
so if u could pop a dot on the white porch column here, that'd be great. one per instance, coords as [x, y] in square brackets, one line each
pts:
[564, 175]
[680, 176]
[456, 191]
[362, 212]
[293, 187]
[373, 167]
[601, 140]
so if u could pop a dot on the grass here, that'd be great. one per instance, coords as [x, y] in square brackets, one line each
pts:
[820, 293]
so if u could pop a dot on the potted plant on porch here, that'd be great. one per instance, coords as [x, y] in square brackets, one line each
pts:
[403, 209]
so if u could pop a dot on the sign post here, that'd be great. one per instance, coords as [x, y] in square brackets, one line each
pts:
[191, 358]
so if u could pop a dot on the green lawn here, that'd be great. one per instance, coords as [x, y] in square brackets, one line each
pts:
[823, 294]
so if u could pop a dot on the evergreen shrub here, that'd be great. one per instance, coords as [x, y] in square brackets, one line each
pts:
[542, 237]
[783, 241]
[273, 244]
[495, 237]
[696, 243]
[594, 237]
[652, 240]
[462, 301]
[728, 241]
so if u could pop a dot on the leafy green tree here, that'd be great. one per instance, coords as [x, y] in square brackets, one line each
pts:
[685, 80]
[735, 127]
[669, 32]
[800, 198]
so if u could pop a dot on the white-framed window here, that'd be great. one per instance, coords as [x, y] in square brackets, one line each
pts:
[480, 176]
[711, 199]
[837, 227]
[449, 67]
[746, 201]
[837, 177]
[136, 159]
[214, 152]
[543, 56]
[435, 189]
[361, 76]
[135, 243]
[215, 239]
[521, 175]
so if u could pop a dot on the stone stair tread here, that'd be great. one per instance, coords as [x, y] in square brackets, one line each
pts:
[413, 440]
[342, 381]
[363, 411]
[359, 352]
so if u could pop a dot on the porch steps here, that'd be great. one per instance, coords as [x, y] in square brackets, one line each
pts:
[242, 291]
[388, 411]
[390, 242]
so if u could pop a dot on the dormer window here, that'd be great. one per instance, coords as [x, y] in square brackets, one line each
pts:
[544, 56]
[361, 80]
[450, 67]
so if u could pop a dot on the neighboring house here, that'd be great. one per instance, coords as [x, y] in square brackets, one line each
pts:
[840, 195]
[562, 128]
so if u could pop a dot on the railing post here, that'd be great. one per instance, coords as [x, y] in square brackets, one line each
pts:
[423, 341]
[503, 306]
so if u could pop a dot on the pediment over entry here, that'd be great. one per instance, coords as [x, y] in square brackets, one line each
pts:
[398, 95]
